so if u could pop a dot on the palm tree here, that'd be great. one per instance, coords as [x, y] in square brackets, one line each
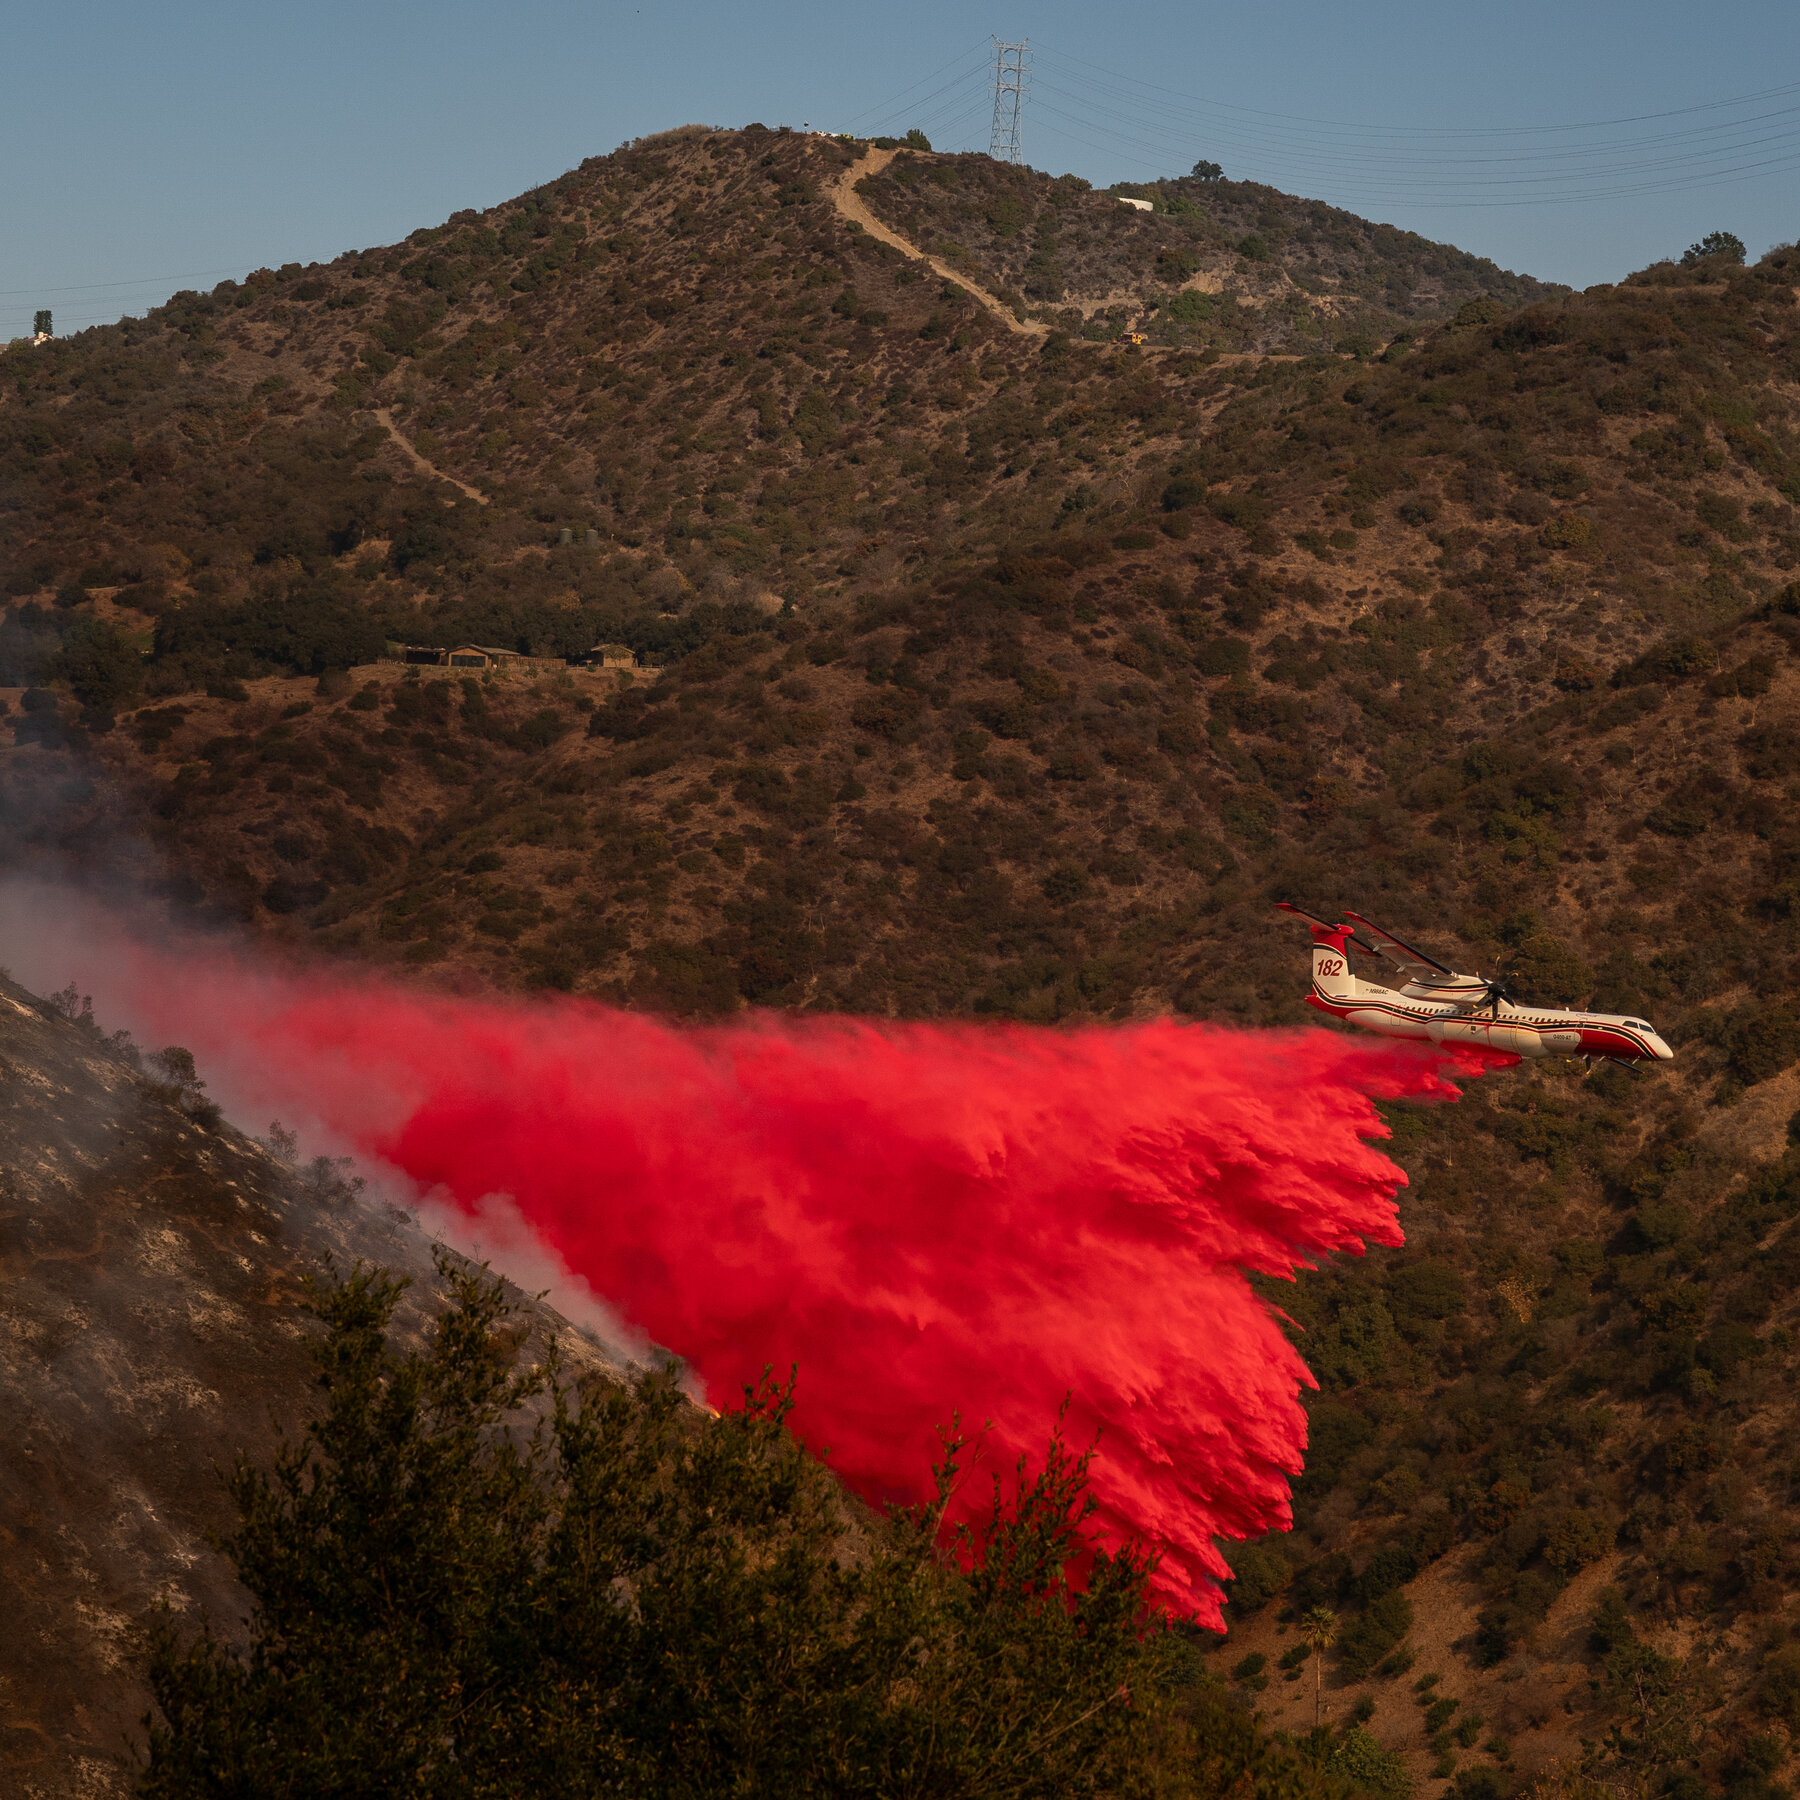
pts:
[1319, 1628]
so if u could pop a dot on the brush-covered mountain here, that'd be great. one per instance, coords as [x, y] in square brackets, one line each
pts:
[982, 669]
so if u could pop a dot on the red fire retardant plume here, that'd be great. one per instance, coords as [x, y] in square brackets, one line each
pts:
[927, 1219]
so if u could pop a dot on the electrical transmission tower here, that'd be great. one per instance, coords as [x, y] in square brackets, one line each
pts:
[1012, 75]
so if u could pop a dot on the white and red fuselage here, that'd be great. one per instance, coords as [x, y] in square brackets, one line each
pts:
[1441, 1012]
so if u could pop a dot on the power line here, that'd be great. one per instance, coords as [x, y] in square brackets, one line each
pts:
[89, 287]
[1464, 166]
[1435, 130]
[1547, 171]
[1389, 155]
[900, 101]
[67, 319]
[970, 94]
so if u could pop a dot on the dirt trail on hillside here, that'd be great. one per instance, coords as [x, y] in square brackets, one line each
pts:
[850, 206]
[386, 419]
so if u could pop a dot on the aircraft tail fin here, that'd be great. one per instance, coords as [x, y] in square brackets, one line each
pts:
[1331, 963]
[1331, 975]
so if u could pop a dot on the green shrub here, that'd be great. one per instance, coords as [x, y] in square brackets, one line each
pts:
[641, 1599]
[307, 630]
[1761, 1046]
[1778, 1685]
[103, 669]
[1246, 511]
[1439, 1713]
[1425, 1291]
[1258, 1575]
[1356, 1346]
[1575, 1538]
[1190, 307]
[1222, 655]
[1335, 1433]
[1498, 1632]
[1567, 531]
[541, 729]
[1689, 811]
[1484, 311]
[1725, 246]
[1361, 1759]
[1681, 657]
[1363, 1644]
[1479, 1783]
[1389, 1568]
[891, 713]
[1543, 966]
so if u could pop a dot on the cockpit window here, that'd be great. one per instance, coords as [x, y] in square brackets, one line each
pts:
[1641, 1024]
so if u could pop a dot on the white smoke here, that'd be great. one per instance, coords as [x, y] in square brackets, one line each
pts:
[53, 933]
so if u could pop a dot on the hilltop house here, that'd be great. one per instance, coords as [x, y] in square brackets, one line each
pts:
[465, 656]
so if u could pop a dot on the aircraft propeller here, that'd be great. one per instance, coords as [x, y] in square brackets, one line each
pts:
[1492, 994]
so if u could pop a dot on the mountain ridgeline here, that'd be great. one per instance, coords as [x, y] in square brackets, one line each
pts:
[982, 666]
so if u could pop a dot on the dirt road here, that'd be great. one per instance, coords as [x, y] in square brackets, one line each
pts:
[386, 420]
[850, 206]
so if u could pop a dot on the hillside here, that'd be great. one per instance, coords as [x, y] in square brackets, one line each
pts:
[155, 1264]
[1004, 673]
[1222, 264]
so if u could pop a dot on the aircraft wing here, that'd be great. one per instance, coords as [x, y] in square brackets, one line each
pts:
[1300, 912]
[1417, 965]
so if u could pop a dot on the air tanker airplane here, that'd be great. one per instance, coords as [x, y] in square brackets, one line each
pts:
[1448, 1008]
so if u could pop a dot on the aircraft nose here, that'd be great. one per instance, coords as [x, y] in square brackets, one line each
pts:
[1663, 1052]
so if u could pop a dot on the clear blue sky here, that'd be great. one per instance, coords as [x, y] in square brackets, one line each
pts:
[152, 148]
